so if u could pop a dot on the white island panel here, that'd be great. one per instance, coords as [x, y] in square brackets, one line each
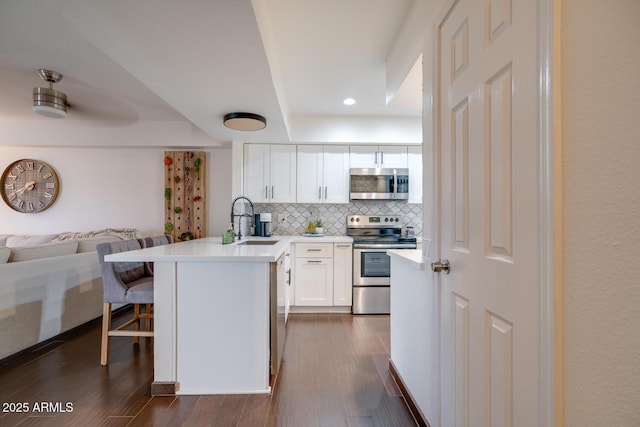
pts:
[414, 330]
[223, 328]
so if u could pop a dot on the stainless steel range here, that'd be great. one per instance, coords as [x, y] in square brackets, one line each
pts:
[372, 236]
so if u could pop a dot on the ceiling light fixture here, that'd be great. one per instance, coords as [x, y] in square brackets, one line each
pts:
[244, 121]
[349, 101]
[47, 101]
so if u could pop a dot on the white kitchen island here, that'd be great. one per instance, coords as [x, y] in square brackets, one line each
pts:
[212, 315]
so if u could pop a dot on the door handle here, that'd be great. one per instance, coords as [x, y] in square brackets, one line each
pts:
[440, 265]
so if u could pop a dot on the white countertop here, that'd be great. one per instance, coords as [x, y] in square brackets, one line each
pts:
[211, 249]
[413, 256]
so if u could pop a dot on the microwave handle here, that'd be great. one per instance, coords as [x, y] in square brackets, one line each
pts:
[395, 183]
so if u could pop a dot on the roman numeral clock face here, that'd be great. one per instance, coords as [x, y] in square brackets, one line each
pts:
[29, 186]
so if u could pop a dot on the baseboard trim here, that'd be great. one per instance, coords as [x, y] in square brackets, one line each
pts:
[413, 408]
[161, 388]
[320, 309]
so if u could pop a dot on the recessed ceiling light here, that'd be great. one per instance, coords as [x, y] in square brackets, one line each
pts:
[349, 101]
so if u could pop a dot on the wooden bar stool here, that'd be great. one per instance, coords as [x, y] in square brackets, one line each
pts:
[124, 283]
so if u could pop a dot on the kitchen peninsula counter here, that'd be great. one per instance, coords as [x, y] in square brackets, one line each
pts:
[210, 249]
[214, 312]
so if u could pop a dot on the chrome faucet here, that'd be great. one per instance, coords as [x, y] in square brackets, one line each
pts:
[242, 215]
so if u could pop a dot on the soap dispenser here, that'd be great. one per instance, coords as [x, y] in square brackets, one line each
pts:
[229, 236]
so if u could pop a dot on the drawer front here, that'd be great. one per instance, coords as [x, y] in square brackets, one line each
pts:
[314, 250]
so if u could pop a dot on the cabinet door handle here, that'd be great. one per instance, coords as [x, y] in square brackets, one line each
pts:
[273, 191]
[381, 158]
[319, 193]
[314, 261]
[375, 161]
[325, 192]
[314, 250]
[266, 191]
[343, 246]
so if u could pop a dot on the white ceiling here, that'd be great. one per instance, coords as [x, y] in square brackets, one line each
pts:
[195, 60]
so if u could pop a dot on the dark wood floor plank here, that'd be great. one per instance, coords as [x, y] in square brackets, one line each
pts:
[204, 411]
[255, 411]
[334, 373]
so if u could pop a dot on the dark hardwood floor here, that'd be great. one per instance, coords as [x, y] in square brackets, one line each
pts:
[333, 373]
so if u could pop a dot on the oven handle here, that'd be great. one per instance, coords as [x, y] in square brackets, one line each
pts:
[384, 246]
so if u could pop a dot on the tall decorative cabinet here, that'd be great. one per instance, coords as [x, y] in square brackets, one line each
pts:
[184, 194]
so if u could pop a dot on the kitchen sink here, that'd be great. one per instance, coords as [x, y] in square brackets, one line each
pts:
[258, 242]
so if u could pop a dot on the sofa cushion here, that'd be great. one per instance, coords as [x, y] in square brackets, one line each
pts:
[25, 253]
[5, 253]
[29, 239]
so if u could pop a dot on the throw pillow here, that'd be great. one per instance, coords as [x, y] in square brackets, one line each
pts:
[29, 239]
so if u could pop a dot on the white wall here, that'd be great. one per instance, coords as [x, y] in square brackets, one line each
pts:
[110, 187]
[601, 164]
[356, 130]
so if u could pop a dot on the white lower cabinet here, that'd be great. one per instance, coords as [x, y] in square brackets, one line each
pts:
[314, 274]
[323, 274]
[342, 274]
[315, 277]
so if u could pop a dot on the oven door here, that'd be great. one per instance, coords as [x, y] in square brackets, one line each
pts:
[371, 267]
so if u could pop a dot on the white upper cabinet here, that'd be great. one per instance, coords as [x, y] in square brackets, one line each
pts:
[323, 174]
[256, 172]
[270, 173]
[378, 156]
[415, 173]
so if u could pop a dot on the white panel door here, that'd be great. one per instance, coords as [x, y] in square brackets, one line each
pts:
[487, 117]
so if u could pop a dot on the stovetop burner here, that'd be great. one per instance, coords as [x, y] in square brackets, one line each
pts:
[378, 230]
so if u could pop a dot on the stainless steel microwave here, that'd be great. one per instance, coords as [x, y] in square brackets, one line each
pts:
[379, 184]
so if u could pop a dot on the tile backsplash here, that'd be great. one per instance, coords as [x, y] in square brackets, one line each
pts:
[334, 216]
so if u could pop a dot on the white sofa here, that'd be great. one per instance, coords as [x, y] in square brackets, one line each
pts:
[49, 284]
